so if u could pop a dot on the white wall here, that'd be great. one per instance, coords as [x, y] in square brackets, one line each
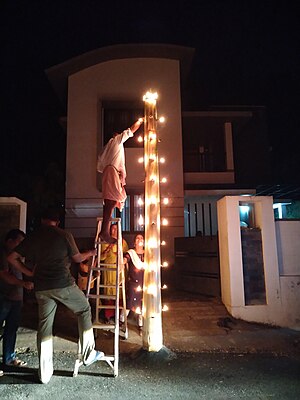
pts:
[121, 80]
[231, 266]
[288, 239]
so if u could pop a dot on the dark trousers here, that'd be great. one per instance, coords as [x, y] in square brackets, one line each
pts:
[10, 313]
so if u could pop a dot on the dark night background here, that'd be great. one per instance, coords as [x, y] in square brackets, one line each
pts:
[247, 53]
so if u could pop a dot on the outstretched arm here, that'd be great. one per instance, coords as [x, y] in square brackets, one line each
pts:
[136, 125]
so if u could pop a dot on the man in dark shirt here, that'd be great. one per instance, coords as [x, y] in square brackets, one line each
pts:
[11, 298]
[51, 250]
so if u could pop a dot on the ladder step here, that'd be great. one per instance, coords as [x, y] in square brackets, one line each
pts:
[104, 269]
[103, 296]
[104, 326]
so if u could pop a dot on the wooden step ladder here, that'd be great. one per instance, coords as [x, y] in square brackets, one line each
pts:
[99, 266]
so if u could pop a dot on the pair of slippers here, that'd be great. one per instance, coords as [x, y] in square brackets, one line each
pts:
[16, 363]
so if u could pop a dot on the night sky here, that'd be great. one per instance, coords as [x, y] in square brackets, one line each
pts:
[247, 53]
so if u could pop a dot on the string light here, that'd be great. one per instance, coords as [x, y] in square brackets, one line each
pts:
[163, 243]
[152, 243]
[152, 289]
[162, 120]
[164, 180]
[166, 200]
[140, 201]
[152, 135]
[140, 160]
[141, 220]
[139, 289]
[165, 286]
[164, 222]
[162, 160]
[150, 97]
[140, 139]
[165, 308]
[165, 264]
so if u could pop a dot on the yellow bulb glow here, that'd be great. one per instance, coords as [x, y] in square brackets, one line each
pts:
[140, 139]
[140, 201]
[165, 308]
[152, 243]
[152, 135]
[163, 243]
[165, 264]
[138, 289]
[162, 160]
[150, 97]
[165, 286]
[141, 159]
[162, 120]
[164, 180]
[141, 220]
[166, 201]
[152, 289]
[164, 221]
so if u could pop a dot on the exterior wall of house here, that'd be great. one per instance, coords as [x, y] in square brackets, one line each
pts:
[288, 239]
[122, 80]
[279, 295]
[12, 215]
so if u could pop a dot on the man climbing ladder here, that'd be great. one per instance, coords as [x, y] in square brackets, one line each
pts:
[111, 162]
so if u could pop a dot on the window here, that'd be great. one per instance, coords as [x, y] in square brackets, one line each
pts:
[133, 214]
[118, 116]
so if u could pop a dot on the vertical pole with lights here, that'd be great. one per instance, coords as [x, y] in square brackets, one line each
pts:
[152, 330]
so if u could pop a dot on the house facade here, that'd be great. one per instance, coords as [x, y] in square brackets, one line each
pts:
[103, 91]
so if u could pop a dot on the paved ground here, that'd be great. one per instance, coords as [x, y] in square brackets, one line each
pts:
[208, 355]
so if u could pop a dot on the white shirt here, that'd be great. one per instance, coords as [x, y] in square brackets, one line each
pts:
[113, 154]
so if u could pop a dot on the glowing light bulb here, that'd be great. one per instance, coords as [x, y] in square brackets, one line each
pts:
[141, 220]
[164, 180]
[162, 160]
[152, 135]
[152, 243]
[152, 289]
[165, 264]
[140, 201]
[141, 159]
[140, 139]
[165, 308]
[164, 221]
[163, 243]
[165, 286]
[162, 120]
[150, 97]
[166, 200]
[153, 200]
[139, 289]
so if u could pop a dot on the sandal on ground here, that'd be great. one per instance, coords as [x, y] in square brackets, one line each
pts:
[16, 363]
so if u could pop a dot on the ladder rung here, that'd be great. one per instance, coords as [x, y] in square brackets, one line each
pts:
[104, 326]
[104, 269]
[103, 296]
